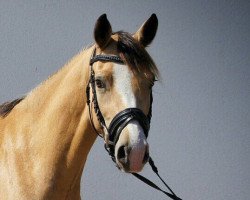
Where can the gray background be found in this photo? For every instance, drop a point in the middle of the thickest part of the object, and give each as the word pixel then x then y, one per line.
pixel 200 135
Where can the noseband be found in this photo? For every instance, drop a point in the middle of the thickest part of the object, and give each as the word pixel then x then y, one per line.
pixel 121 120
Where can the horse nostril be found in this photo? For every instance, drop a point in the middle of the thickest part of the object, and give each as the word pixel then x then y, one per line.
pixel 121 154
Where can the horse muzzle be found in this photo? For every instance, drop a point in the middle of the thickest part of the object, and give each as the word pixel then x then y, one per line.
pixel 132 150
pixel 127 135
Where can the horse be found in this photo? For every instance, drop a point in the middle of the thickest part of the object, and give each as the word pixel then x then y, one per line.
pixel 45 136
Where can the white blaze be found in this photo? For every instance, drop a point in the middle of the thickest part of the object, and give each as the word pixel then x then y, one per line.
pixel 123 84
pixel 137 140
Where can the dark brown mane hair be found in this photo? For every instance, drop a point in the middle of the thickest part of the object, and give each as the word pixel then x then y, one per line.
pixel 135 55
pixel 7 107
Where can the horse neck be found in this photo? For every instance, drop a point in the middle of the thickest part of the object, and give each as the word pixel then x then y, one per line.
pixel 54 117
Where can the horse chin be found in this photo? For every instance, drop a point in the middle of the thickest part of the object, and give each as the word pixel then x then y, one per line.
pixel 128 169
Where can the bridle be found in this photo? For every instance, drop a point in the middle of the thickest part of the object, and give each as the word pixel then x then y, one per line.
pixel 121 120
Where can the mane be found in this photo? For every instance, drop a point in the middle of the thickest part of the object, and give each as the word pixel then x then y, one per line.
pixel 135 55
pixel 7 107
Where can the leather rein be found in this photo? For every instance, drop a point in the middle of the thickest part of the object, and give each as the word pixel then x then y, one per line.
pixel 120 121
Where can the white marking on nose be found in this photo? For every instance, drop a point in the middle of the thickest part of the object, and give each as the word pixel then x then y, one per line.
pixel 138 143
pixel 137 140
pixel 123 84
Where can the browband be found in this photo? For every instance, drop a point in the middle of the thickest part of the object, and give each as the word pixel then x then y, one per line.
pixel 109 58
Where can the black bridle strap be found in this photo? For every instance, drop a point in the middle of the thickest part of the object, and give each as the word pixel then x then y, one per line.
pixel 106 58
pixel 123 118
pixel 90 113
pixel 171 195
pixel 94 58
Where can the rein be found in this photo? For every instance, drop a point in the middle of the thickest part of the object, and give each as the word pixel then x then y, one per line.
pixel 120 121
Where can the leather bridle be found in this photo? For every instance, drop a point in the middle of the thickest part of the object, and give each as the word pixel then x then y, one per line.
pixel 121 120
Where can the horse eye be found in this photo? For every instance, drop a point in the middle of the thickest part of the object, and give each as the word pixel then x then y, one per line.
pixel 99 83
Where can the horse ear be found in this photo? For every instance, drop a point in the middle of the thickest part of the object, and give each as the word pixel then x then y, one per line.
pixel 147 32
pixel 102 31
